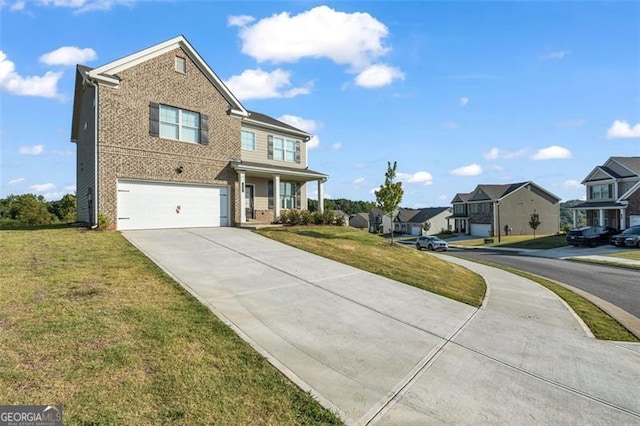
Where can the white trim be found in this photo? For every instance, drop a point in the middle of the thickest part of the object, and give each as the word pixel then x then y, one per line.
pixel 301 173
pixel 105 72
pixel 533 184
pixel 255 140
pixel 612 159
pixel 305 136
pixel 597 168
pixel 630 191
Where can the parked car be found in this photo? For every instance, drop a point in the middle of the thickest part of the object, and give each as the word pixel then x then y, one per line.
pixel 588 236
pixel 431 243
pixel 630 237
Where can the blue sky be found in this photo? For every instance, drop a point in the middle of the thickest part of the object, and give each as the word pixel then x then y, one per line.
pixel 458 93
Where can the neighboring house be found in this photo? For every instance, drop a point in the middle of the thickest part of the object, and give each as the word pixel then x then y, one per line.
pixel 162 143
pixel 379 223
pixel 340 215
pixel 359 220
pixel 494 208
pixel 613 194
pixel 412 221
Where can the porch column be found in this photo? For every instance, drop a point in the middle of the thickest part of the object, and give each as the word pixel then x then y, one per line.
pixel 601 217
pixel 575 218
pixel 320 196
pixel 623 218
pixel 243 200
pixel 276 197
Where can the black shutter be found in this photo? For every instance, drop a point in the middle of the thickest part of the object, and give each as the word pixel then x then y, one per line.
pixel 270 149
pixel 270 194
pixel 298 197
pixel 204 129
pixel 154 119
pixel 298 152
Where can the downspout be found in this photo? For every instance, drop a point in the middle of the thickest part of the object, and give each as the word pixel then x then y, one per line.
pixel 95 162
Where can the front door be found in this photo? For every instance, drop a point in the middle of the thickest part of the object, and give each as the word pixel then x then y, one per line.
pixel 248 201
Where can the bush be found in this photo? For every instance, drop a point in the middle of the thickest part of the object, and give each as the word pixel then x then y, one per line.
pixel 104 224
pixel 341 220
pixel 306 217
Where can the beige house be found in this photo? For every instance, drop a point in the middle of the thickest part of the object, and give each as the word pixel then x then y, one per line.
pixel 162 143
pixel 505 209
pixel 412 221
pixel 613 194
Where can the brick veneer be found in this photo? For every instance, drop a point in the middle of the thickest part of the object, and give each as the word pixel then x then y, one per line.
pixel 126 150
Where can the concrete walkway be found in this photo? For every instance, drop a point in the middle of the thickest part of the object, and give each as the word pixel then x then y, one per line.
pixel 377 351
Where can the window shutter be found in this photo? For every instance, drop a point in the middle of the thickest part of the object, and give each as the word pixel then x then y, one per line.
pixel 298 152
pixel 154 119
pixel 204 129
pixel 298 203
pixel 270 194
pixel 270 148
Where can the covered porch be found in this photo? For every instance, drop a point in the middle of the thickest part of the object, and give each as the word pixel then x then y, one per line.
pixel 610 214
pixel 460 224
pixel 266 190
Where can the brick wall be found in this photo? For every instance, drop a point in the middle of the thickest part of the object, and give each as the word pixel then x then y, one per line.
pixel 126 150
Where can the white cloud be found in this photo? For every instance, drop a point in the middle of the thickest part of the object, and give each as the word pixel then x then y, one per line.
pixel 622 129
pixel 239 20
pixel 68 55
pixel 322 32
pixel 359 165
pixel 470 170
pixel 12 82
pixel 497 168
pixel 43 187
pixel 358 183
pixel 554 152
pixel 337 146
pixel 86 5
pixel 304 124
pixel 18 5
pixel 16 181
pixel 559 54
pixel 259 84
pixel 464 101
pixel 378 75
pixel 418 177
pixel 31 150
pixel 571 184
pixel 373 190
pixel 495 153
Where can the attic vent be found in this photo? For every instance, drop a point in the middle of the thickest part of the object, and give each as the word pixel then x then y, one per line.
pixel 181 65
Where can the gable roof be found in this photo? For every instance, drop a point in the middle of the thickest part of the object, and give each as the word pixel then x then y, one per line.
pixel 107 73
pixel 419 215
pixel 484 192
pixel 632 164
pixel 461 197
pixel 264 120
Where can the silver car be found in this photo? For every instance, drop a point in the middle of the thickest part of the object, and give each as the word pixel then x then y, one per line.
pixel 431 243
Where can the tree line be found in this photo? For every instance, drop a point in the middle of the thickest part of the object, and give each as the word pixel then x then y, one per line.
pixel 31 209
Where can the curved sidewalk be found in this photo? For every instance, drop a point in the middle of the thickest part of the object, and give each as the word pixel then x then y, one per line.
pixel 377 351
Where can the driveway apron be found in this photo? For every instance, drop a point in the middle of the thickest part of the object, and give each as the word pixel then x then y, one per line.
pixel 377 351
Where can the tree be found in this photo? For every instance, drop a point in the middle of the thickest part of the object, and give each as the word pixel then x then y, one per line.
pixel 426 226
pixel 534 222
pixel 389 196
pixel 25 209
pixel 64 209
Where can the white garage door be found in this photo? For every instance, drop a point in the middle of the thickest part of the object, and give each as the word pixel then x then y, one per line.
pixel 480 229
pixel 416 230
pixel 634 220
pixel 151 205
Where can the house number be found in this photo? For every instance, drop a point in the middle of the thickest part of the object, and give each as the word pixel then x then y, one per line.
pixel 177 209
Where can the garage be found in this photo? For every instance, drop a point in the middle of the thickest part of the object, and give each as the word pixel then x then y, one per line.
pixel 155 205
pixel 480 229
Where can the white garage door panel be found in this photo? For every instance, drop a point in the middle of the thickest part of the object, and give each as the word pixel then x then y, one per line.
pixel 634 220
pixel 146 205
pixel 480 229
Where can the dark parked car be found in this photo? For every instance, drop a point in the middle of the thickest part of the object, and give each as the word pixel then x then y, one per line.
pixel 431 243
pixel 588 236
pixel 629 238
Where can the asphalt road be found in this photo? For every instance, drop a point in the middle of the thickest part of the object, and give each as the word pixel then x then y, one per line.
pixel 616 285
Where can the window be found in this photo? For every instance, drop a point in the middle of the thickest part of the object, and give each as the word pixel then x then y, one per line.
pixel 287 195
pixel 179 124
pixel 181 65
pixel 284 149
pixel 600 192
pixel 458 208
pixel 248 140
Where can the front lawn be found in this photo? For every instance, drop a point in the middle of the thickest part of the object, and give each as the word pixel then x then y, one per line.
pixel 541 242
pixel 90 323
pixel 633 254
pixel 372 253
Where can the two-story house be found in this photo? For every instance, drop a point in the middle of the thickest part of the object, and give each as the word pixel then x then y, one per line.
pixel 612 194
pixel 505 209
pixel 163 143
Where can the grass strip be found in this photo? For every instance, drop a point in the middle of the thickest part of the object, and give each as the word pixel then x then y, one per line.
pixel 601 324
pixel 374 254
pixel 88 322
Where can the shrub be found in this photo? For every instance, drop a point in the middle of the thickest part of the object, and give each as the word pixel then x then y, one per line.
pixel 294 217
pixel 306 217
pixel 317 218
pixel 104 223
pixel 341 220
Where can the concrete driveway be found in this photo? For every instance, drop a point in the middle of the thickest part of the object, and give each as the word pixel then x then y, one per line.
pixel 377 351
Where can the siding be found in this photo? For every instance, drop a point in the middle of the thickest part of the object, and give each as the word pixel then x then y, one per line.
pixel 516 210
pixel 128 151
pixel 260 154
pixel 85 157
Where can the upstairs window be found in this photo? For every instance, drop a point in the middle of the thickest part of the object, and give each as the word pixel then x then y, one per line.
pixel 283 149
pixel 181 65
pixel 248 140
pixel 601 192
pixel 179 124
pixel 458 208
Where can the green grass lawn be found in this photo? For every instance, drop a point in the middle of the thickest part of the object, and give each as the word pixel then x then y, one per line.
pixel 633 254
pixel 372 253
pixel 90 323
pixel 541 242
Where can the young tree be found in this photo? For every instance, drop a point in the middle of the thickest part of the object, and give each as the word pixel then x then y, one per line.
pixel 534 222
pixel 389 196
